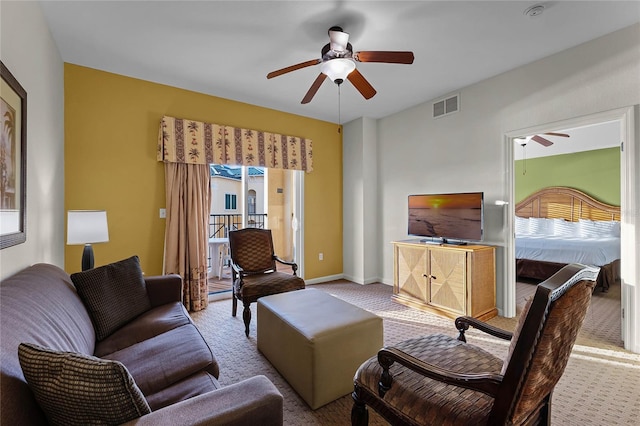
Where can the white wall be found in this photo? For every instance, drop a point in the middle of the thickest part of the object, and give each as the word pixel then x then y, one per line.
pixel 465 151
pixel 353 247
pixel 29 52
pixel 360 202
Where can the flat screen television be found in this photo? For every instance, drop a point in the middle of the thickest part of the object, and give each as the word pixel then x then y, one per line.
pixel 450 218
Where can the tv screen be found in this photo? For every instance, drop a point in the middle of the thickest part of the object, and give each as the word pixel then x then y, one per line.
pixel 447 216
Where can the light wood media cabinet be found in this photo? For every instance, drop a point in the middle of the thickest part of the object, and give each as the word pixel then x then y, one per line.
pixel 447 280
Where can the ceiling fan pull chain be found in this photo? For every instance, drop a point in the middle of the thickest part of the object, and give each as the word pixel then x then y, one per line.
pixel 339 108
pixel 524 162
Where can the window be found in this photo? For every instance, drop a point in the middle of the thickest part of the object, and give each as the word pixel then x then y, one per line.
pixel 229 201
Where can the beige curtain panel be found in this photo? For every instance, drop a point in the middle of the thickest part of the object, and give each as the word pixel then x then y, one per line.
pixel 188 191
pixel 196 142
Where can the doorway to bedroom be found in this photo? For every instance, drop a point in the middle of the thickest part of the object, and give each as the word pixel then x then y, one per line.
pixel 587 159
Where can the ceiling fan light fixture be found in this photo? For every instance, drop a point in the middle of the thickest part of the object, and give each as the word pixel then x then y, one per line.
pixel 338 69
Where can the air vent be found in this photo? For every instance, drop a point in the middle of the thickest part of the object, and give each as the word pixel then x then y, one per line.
pixel 446 106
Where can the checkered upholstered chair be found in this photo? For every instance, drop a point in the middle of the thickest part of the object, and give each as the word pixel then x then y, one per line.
pixel 441 380
pixel 253 269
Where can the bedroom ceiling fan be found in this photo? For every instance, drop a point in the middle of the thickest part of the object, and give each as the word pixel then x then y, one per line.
pixel 338 62
pixel 541 140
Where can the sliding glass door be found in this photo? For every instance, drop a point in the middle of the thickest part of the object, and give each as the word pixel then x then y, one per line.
pixel 247 196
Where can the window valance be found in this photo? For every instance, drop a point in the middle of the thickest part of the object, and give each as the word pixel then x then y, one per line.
pixel 196 142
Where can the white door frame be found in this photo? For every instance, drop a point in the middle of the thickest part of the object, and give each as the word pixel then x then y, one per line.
pixel 298 212
pixel 629 207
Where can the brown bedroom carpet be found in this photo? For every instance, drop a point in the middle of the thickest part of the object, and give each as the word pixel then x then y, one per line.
pixel 600 385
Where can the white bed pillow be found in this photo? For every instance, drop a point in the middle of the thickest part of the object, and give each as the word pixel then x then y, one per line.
pixel 522 225
pixel 565 228
pixel 599 228
pixel 540 226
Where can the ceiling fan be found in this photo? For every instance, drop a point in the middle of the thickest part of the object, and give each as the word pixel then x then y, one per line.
pixel 338 62
pixel 542 141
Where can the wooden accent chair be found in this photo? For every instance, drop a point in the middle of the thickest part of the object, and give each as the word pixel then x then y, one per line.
pixel 440 380
pixel 253 269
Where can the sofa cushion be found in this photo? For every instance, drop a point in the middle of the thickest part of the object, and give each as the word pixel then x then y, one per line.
pixel 76 389
pixel 194 385
pixel 176 354
pixel 150 324
pixel 114 294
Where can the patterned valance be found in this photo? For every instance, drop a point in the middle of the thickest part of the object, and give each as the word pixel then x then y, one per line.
pixel 196 142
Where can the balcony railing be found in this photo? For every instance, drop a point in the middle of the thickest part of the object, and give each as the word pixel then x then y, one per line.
pixel 221 224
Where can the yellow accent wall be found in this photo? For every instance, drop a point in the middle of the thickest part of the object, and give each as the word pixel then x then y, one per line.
pixel 111 127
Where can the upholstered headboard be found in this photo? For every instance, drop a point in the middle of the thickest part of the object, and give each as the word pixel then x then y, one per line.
pixel 566 203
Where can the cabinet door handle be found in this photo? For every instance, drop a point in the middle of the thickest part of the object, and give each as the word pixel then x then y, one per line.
pixel 429 276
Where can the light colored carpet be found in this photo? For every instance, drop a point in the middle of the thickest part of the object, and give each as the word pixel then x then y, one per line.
pixel 600 385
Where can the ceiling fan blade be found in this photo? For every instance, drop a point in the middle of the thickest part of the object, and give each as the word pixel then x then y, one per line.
pixel 541 140
pixel 361 84
pixel 294 67
pixel 564 135
pixel 388 57
pixel 313 89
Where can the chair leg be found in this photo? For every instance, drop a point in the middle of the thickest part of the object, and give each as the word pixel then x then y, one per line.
pixel 359 411
pixel 545 412
pixel 220 261
pixel 234 303
pixel 246 316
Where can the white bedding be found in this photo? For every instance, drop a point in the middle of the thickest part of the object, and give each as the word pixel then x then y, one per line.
pixel 596 251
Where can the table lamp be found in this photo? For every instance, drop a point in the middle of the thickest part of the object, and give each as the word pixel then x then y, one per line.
pixel 87 227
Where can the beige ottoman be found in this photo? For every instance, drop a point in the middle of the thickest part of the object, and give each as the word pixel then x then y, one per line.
pixel 316 341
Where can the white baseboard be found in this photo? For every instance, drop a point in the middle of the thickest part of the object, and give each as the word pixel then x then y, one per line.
pixel 359 280
pixel 325 279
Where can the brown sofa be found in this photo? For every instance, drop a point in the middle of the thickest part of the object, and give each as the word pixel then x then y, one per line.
pixel 162 349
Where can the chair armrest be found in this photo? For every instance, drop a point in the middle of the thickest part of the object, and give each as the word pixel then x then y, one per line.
pixel 255 401
pixel 463 323
pixel 163 289
pixel 293 265
pixel 236 270
pixel 236 267
pixel 487 383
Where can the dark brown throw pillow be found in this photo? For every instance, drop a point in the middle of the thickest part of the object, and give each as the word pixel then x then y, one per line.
pixel 113 294
pixel 76 389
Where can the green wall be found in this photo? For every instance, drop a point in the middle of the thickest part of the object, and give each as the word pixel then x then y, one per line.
pixel 596 173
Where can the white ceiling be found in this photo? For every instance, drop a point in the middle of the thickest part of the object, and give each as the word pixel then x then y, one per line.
pixel 586 138
pixel 226 48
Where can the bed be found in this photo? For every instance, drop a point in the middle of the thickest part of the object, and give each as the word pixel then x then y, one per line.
pixel 560 225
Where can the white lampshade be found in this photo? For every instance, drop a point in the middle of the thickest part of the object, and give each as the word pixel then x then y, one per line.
pixel 338 68
pixel 9 221
pixel 87 227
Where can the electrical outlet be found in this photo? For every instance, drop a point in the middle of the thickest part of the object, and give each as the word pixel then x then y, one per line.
pixel 163 213
pixel 320 256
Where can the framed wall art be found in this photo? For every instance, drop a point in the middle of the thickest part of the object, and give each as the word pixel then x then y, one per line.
pixel 13 160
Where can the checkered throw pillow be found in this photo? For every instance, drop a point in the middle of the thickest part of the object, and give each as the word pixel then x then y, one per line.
pixel 113 294
pixel 75 389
